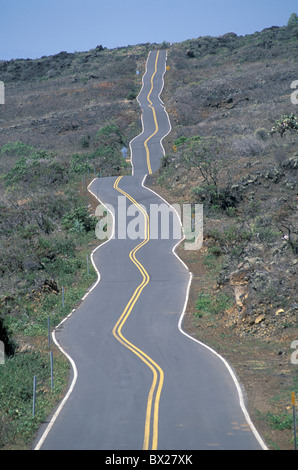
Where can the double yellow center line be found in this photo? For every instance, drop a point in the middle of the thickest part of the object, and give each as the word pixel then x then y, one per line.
pixel 152 410
pixel 154 117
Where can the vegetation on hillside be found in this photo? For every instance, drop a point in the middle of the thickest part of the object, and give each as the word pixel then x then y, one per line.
pixel 233 147
pixel 63 125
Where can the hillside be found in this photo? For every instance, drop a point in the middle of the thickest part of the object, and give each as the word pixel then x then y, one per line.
pixel 230 91
pixel 224 96
pixel 66 119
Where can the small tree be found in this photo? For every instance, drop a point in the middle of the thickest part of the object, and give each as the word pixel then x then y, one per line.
pixel 204 154
pixel 286 123
pixel 293 21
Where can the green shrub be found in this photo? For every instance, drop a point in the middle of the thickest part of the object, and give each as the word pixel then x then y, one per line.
pixel 286 123
pixel 261 133
pixel 80 164
pixel 108 159
pixel 293 21
pixel 215 250
pixel 263 231
pixel 132 95
pixel 38 167
pixel 85 141
pixel 16 149
pixel 16 393
pixel 110 132
pixel 203 304
pixel 208 304
pixel 281 421
pixel 29 231
pixel 79 220
pixel 45 249
pixel 216 198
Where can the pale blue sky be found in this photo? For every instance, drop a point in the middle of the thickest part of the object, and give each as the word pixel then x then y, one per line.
pixel 33 28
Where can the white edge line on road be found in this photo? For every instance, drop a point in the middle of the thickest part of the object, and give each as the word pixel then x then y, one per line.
pixel 72 362
pixel 238 387
pixel 143 128
pixel 75 372
pixel 142 114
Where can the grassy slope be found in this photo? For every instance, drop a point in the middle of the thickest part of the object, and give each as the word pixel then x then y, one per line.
pixel 65 119
pixel 233 89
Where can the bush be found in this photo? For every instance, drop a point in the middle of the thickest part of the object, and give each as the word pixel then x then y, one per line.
pixel 217 198
pixel 51 247
pixel 16 149
pixel 132 95
pixel 79 220
pixel 264 231
pixel 261 133
pixel 282 421
pixel 293 21
pixel 249 146
pixel 39 167
pixel 108 159
pixel 16 392
pixel 213 305
pixel 80 164
pixel 286 123
pixel 110 134
pixel 203 304
pixel 85 141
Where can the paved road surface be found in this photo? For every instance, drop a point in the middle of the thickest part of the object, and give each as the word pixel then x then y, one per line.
pixel 138 382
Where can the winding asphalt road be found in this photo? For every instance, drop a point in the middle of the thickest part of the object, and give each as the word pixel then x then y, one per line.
pixel 139 382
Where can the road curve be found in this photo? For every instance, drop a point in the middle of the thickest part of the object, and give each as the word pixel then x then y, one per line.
pixel 139 381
